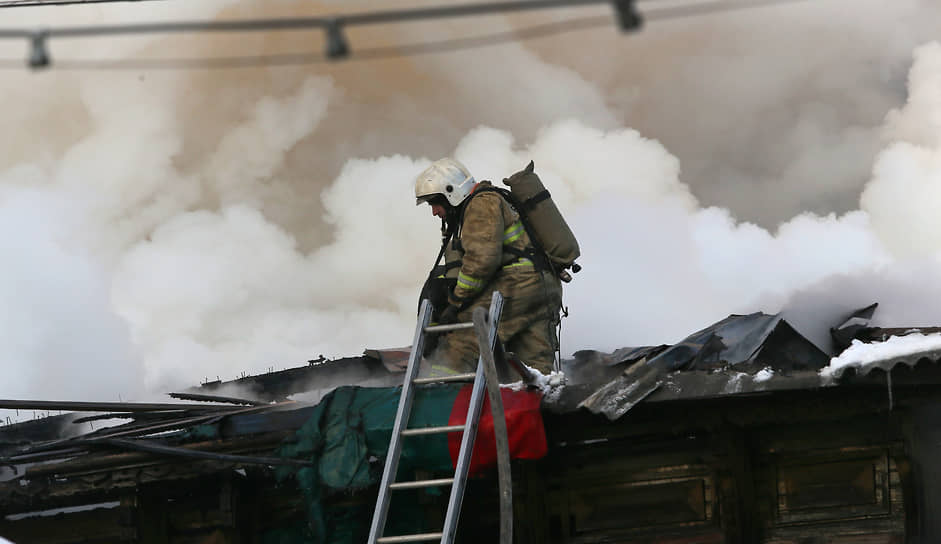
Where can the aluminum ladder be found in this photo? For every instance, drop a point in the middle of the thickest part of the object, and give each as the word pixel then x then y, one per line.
pixel 484 378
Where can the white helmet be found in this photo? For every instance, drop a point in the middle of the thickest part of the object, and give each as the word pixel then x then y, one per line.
pixel 445 177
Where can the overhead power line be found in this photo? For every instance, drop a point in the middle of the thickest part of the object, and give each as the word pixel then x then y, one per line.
pixel 337 45
pixel 307 58
pixel 303 23
pixel 405 50
pixel 36 3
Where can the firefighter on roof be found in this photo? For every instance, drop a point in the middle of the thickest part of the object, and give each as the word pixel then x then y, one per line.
pixel 486 248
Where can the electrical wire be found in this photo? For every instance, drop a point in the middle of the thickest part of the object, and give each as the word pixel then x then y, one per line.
pixel 296 23
pixel 307 58
pixel 448 11
pixel 37 3
pixel 400 51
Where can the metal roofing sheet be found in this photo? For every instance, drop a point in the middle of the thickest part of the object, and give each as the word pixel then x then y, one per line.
pixel 912 359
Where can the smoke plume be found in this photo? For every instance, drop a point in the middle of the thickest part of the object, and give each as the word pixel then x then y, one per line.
pixel 168 226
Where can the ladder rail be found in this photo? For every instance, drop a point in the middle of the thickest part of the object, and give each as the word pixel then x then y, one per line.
pixel 401 421
pixel 470 432
pixel 501 439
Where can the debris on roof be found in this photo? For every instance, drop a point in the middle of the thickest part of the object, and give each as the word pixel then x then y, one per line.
pixel 725 358
pixel 739 355
pixel 322 375
pixel 754 341
pixel 857 328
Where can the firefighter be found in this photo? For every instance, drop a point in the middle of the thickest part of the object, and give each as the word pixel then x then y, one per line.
pixel 487 249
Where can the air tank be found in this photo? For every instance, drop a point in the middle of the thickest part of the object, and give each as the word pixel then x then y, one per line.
pixel 546 224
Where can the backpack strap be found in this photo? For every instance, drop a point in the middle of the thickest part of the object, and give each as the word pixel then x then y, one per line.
pixel 533 252
pixel 536 252
pixel 532 201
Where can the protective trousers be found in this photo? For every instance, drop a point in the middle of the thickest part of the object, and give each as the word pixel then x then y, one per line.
pixel 528 322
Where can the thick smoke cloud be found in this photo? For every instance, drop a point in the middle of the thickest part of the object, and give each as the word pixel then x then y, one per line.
pixel 164 227
pixel 906 187
pixel 57 322
pixel 786 101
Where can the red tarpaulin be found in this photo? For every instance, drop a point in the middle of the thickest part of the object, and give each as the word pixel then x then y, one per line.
pixel 523 424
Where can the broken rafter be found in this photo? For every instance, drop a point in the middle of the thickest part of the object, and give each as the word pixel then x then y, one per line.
pixel 95 459
pixel 136 416
pixel 110 415
pixel 81 406
pixel 42 456
pixel 130 429
pixel 215 398
pixel 160 449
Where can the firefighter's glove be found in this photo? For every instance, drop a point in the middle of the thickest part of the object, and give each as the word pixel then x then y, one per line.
pixel 449 315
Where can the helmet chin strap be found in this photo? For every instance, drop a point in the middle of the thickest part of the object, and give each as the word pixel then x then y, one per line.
pixel 452 217
pixel 449 221
pixel 448 229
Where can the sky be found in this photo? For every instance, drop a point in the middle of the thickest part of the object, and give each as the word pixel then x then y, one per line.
pixel 164 227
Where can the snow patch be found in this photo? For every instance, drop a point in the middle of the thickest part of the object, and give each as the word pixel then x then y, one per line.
pixel 861 354
pixel 551 385
pixel 56 511
pixel 764 374
pixel 734 385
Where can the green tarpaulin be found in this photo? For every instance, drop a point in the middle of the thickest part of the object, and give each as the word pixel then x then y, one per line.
pixel 347 437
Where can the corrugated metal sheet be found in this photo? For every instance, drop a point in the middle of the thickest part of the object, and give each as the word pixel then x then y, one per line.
pixel 722 359
pixel 887 364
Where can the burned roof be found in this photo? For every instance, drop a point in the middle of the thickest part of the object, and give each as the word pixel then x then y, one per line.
pixel 740 355
pixel 754 340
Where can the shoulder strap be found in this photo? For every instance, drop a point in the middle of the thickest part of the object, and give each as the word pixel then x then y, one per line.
pixel 523 209
pixel 537 252
pixel 445 239
pixel 481 190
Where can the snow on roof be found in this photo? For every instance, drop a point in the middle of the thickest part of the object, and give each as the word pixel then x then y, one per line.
pixel 863 357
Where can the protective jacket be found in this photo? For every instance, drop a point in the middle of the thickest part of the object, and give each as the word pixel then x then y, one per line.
pixel 489 238
pixel 488 253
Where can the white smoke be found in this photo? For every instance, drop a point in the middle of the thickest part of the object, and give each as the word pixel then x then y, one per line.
pixel 785 100
pixel 903 195
pixel 57 328
pixel 167 227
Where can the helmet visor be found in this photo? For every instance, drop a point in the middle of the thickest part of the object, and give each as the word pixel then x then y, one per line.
pixel 434 199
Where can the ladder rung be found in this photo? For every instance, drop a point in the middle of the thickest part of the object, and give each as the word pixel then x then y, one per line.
pixel 409 538
pixel 432 430
pixel 421 483
pixel 450 327
pixel 455 378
